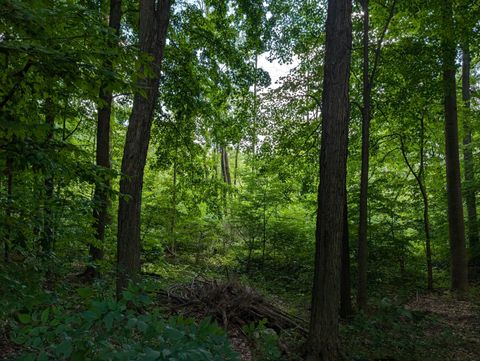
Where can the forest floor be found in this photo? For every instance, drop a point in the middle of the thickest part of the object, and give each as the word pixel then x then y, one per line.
pixel 433 327
pixel 461 318
pixel 429 327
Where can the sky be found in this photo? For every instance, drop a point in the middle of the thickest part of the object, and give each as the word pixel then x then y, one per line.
pixel 275 69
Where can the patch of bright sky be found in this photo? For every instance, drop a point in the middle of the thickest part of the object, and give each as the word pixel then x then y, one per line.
pixel 276 70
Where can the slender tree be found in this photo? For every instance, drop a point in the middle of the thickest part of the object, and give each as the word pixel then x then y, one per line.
pixel 322 341
pixel 154 19
pixel 459 264
pixel 368 79
pixel 104 110
pixel 420 178
pixel 46 240
pixel 470 195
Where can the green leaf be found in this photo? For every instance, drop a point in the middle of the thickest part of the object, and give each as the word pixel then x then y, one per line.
pixel 24 318
pixel 44 315
pixel 108 320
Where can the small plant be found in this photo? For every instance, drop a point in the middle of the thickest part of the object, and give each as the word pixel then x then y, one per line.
pixel 265 341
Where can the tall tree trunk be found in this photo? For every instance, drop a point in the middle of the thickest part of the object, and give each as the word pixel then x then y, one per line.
pixel 322 341
pixel 154 18
pixel 237 150
pixel 363 209
pixel 470 195
pixel 345 287
pixel 225 166
pixel 226 163
pixel 47 238
pixel 101 199
pixel 454 194
pixel 368 79
pixel 426 220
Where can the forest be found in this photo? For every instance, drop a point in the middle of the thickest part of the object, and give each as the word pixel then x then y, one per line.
pixel 239 180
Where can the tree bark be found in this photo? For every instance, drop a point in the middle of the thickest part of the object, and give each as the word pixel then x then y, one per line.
pixel 322 341
pixel 459 265
pixel 154 19
pixel 101 199
pixel 470 195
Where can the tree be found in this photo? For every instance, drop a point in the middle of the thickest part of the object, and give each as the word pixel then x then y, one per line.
pixel 420 178
pixel 322 341
pixel 459 263
pixel 469 171
pixel 154 19
pixel 104 111
pixel 368 79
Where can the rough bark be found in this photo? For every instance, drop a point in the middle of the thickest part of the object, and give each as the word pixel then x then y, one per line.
pixel 101 198
pixel 225 166
pixel 470 196
pixel 154 19
pixel 322 341
pixel 459 273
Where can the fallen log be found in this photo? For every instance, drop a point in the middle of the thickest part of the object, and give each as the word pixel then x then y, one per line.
pixel 230 303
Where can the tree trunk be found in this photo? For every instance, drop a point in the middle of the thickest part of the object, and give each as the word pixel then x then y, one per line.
pixel 154 18
pixel 174 206
pixel 322 341
pixel 47 238
pixel 363 209
pixel 237 150
pixel 226 164
pixel 345 287
pixel 426 221
pixel 454 194
pixel 101 198
pixel 470 195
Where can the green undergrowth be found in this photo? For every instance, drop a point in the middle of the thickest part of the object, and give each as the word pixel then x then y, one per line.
pixel 77 322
